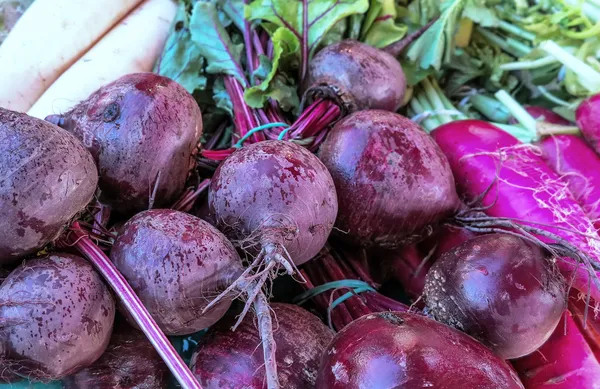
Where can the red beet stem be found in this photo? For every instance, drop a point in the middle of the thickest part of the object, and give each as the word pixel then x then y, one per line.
pixel 134 306
pixel 331 266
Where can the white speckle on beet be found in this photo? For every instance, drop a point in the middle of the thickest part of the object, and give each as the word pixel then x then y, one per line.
pixel 340 373
pixel 519 286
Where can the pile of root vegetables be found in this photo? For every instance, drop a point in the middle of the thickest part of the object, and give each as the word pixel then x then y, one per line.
pixel 309 194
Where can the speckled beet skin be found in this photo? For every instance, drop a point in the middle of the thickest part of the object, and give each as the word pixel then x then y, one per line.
pixel 46 178
pixel 275 192
pixel 176 263
pixel 56 316
pixel 499 289
pixel 129 362
pixel 588 120
pixel 359 75
pixel 136 127
pixel 391 179
pixel 402 350
pixel 232 360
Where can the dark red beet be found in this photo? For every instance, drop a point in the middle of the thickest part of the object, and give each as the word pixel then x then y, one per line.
pixel 56 317
pixel 392 180
pixel 500 289
pixel 358 75
pixel 409 351
pixel 46 178
pixel 129 362
pixel 143 130
pixel 176 263
pixel 277 196
pixel 588 121
pixel 229 360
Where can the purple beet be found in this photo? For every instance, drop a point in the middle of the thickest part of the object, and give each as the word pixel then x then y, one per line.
pixel 409 351
pixel 229 360
pixel 143 131
pixel 500 289
pixel 275 198
pixel 392 180
pixel 129 362
pixel 357 75
pixel 176 263
pixel 56 317
pixel 46 178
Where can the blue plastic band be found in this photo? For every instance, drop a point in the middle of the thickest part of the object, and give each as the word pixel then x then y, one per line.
pixel 346 296
pixel 280 137
pixel 357 286
pixel 257 129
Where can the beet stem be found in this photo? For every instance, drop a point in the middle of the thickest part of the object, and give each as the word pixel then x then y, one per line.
pixel 134 307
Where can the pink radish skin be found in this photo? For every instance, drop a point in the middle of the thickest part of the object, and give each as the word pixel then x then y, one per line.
pixel 587 320
pixel 393 183
pixel 56 317
pixel 565 361
pixel 405 350
pixel 573 159
pixel 588 121
pixel 521 186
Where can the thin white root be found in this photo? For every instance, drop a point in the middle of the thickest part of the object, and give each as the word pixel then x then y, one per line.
pixel 265 328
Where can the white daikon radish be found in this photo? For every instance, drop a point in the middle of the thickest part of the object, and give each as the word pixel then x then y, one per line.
pixel 49 37
pixel 131 46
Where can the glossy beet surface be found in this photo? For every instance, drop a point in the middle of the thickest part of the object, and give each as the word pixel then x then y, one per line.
pixel 143 130
pixel 407 351
pixel 392 180
pixel 46 178
pixel 516 183
pixel 176 263
pixel 129 362
pixel 273 194
pixel 500 289
pixel 232 360
pixel 359 75
pixel 57 317
pixel 588 121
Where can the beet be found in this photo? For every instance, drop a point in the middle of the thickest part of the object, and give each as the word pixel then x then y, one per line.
pixel 46 178
pixel 176 263
pixel 228 360
pixel 409 351
pixel 588 121
pixel 143 131
pixel 277 196
pixel 393 182
pixel 357 75
pixel 56 317
pixel 129 362
pixel 500 289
